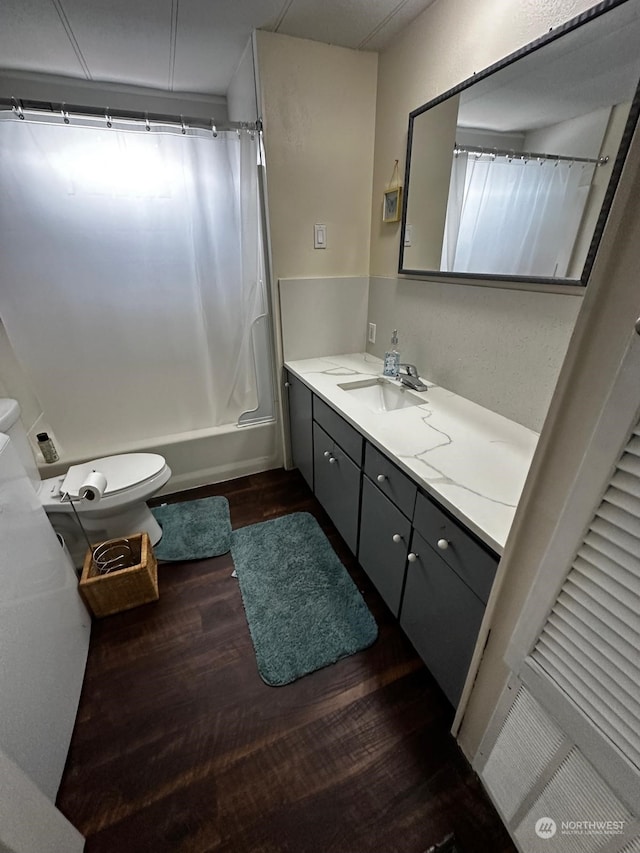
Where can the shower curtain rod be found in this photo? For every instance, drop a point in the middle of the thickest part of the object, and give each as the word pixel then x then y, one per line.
pixel 525 155
pixel 21 107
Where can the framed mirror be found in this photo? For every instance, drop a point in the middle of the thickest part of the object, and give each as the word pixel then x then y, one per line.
pixel 511 174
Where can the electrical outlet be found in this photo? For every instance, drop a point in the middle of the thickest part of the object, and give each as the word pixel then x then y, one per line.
pixel 372 333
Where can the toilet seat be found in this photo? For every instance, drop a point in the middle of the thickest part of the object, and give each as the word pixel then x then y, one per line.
pixel 122 472
pixel 131 477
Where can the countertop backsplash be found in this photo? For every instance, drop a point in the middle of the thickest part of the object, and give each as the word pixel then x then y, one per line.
pixel 501 348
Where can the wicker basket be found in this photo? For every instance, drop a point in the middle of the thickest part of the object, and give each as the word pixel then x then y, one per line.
pixel 124 588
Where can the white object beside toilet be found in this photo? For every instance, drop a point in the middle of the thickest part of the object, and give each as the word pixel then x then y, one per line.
pixel 118 509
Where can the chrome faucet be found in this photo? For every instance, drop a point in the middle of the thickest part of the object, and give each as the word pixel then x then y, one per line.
pixel 410 377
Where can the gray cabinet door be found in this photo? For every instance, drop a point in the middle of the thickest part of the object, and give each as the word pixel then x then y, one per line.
pixel 337 485
pixel 300 430
pixel 383 558
pixel 441 616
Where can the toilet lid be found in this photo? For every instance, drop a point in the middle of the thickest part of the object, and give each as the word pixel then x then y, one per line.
pixel 122 471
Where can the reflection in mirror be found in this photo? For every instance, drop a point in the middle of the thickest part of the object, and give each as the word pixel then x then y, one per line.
pixel 510 174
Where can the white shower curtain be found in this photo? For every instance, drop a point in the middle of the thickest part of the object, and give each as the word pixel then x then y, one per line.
pixel 131 274
pixel 512 216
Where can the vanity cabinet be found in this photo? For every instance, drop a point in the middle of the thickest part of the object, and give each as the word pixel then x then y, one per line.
pixel 300 420
pixel 433 574
pixel 337 485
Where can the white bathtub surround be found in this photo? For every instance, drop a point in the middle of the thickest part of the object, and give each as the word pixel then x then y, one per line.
pixel 500 348
pixel 471 459
pixel 323 316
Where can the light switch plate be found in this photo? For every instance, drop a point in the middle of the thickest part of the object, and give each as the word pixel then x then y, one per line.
pixel 372 333
pixel 408 235
pixel 319 236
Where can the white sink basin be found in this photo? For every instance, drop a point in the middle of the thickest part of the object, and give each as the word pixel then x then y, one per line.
pixel 381 395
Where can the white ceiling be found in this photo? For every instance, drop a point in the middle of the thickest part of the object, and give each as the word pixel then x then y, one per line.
pixel 178 45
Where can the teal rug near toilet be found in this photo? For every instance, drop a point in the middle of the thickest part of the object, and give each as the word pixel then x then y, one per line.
pixel 193 530
pixel 303 609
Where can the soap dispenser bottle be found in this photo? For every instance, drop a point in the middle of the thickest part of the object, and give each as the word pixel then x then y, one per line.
pixel 392 358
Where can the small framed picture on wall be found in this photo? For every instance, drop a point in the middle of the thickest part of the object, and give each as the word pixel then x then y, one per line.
pixel 392 205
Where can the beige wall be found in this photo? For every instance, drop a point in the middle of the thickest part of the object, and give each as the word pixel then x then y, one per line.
pixel 434 136
pixel 610 145
pixel 319 107
pixel 501 348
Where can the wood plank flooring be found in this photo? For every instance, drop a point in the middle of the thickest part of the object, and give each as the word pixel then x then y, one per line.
pixel 179 745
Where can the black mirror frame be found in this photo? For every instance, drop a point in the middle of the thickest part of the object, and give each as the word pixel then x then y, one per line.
pixel 632 120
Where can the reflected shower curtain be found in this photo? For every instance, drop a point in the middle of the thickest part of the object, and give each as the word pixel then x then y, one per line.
pixel 131 274
pixel 513 217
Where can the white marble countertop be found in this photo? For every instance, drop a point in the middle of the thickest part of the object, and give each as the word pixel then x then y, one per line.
pixel 472 460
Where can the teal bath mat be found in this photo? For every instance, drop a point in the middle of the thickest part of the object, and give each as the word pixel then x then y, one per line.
pixel 303 609
pixel 193 530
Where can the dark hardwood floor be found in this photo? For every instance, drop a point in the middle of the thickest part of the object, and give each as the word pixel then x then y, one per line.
pixel 179 745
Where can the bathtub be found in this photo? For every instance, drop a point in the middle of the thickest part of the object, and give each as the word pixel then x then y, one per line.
pixel 203 456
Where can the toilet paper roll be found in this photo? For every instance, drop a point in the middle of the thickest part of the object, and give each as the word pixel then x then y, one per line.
pixel 93 487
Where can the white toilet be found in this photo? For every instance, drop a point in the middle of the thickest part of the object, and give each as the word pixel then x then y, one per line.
pixel 132 478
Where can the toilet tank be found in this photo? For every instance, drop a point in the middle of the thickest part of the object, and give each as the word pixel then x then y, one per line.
pixel 11 425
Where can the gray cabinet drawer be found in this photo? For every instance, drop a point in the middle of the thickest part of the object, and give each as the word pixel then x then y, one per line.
pixel 390 480
pixel 441 616
pixel 337 485
pixel 382 558
pixel 475 566
pixel 343 433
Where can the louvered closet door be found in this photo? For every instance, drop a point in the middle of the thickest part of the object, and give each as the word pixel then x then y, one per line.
pixel 590 643
pixel 576 647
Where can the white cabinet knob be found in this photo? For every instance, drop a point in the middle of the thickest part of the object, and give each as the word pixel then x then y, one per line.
pixel 443 544
pixel 332 460
pixel 396 537
pixel 381 478
pixel 412 557
pixel 287 385
pixel 327 454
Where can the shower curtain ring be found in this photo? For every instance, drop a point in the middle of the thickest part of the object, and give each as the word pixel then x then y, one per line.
pixel 184 127
pixel 65 115
pixel 17 108
pixel 214 130
pixel 146 123
pixel 107 118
